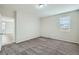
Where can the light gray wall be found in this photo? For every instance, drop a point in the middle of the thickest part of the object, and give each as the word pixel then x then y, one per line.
pixel 0 34
pixel 7 12
pixel 78 25
pixel 50 27
pixel 27 26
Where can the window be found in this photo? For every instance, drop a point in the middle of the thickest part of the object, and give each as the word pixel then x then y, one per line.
pixel 64 23
pixel 3 27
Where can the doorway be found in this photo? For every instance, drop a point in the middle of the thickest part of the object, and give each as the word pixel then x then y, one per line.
pixel 8 30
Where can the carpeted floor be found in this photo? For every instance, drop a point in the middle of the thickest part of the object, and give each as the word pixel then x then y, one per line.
pixel 41 46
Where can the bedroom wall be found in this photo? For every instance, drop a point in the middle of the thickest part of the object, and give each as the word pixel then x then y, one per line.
pixel 50 27
pixel 27 26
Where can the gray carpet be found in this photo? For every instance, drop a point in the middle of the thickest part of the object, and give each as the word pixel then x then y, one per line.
pixel 41 46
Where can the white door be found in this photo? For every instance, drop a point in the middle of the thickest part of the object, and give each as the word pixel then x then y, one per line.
pixel 0 32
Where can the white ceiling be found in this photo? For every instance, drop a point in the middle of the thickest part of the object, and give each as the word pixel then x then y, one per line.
pixel 50 9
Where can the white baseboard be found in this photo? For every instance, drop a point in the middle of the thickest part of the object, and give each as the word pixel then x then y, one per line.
pixel 26 40
pixel 60 39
